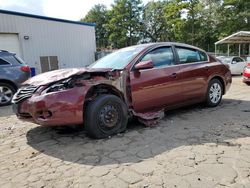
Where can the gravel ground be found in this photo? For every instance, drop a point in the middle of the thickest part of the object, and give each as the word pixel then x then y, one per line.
pixel 192 147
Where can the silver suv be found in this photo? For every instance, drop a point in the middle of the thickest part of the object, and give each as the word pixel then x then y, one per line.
pixel 13 71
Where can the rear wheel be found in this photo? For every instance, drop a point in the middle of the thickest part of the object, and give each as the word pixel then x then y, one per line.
pixel 214 93
pixel 105 116
pixel 6 93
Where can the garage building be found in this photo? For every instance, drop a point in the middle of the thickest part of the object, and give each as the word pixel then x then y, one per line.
pixel 47 43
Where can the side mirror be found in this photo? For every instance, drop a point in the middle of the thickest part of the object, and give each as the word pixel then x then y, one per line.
pixel 144 65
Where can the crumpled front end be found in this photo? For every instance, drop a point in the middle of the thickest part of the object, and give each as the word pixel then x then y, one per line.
pixel 62 101
pixel 52 109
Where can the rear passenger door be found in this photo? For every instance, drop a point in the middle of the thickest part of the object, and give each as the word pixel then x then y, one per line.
pixel 194 72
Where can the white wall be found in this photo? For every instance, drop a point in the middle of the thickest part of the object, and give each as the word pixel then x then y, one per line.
pixel 73 44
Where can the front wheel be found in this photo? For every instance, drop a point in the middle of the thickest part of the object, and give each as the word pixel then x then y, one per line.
pixel 105 116
pixel 6 94
pixel 214 93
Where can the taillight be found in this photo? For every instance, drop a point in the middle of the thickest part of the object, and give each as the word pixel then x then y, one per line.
pixel 25 68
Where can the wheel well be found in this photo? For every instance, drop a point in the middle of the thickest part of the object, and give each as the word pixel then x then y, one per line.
pixel 10 83
pixel 104 89
pixel 94 91
pixel 221 81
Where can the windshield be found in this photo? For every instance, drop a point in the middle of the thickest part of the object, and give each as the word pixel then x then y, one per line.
pixel 225 59
pixel 119 59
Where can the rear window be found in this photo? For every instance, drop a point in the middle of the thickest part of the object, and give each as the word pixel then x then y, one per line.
pixel 13 59
pixel 3 62
pixel 188 55
pixel 19 60
pixel 203 56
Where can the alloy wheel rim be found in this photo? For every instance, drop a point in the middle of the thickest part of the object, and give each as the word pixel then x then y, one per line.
pixel 215 93
pixel 6 95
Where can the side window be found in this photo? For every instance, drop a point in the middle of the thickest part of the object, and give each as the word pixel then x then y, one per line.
pixel 160 57
pixel 203 56
pixel 238 59
pixel 11 59
pixel 3 62
pixel 187 55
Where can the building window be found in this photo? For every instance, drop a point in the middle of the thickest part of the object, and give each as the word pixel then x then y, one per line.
pixel 49 63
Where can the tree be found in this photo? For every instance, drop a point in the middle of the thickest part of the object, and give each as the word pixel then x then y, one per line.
pixel 124 24
pixel 193 16
pixel 197 22
pixel 235 16
pixel 174 19
pixel 99 15
pixel 193 21
pixel 209 23
pixel 154 24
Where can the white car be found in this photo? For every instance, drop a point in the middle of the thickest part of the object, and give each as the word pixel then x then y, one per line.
pixel 236 64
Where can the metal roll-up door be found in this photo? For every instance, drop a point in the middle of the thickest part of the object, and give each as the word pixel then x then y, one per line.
pixel 10 42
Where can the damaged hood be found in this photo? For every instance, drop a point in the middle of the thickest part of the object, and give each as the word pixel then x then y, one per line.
pixel 57 75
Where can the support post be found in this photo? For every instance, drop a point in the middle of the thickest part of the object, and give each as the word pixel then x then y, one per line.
pixel 239 50
pixel 215 50
pixel 249 49
pixel 228 52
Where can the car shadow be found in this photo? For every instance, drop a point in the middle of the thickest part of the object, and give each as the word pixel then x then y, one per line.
pixel 193 125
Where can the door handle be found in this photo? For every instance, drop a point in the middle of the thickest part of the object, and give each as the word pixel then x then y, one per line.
pixel 174 75
pixel 206 68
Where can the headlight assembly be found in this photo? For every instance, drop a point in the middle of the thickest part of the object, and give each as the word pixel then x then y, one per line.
pixel 61 85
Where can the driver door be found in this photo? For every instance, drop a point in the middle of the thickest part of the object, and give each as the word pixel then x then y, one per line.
pixel 158 87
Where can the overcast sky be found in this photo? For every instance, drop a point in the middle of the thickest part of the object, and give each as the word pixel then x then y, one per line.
pixel 65 9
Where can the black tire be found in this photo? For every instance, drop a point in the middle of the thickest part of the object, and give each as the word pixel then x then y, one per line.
pixel 105 116
pixel 6 91
pixel 214 99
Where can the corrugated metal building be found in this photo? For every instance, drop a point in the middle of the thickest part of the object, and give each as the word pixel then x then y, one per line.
pixel 47 43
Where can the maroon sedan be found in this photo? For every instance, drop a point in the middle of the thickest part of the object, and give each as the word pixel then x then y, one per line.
pixel 140 81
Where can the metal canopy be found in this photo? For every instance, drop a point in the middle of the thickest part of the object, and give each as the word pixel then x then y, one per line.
pixel 241 37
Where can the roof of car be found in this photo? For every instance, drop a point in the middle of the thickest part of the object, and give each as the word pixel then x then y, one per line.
pixel 169 44
pixel 5 52
pixel 224 57
pixel 228 57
